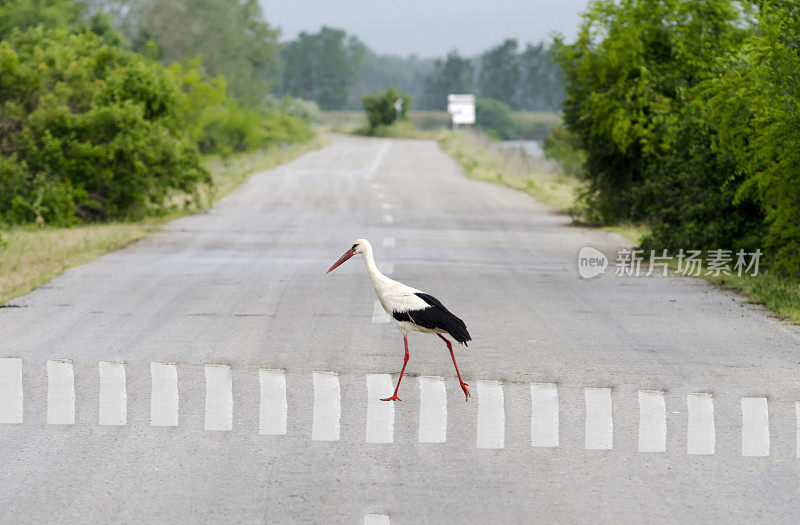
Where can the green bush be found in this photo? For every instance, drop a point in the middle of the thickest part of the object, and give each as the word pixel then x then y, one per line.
pixel 380 107
pixel 91 131
pixel 220 124
pixel 641 81
pixel 494 117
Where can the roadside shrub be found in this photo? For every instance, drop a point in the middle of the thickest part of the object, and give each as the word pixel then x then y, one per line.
pixel 495 118
pixel 638 103
pixel 90 131
pixel 380 107
pixel 220 124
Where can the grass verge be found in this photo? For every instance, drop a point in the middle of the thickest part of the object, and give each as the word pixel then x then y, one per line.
pixel 485 159
pixel 777 294
pixel 33 255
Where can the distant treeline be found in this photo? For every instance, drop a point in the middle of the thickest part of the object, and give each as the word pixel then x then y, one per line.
pixel 336 70
pixel 689 116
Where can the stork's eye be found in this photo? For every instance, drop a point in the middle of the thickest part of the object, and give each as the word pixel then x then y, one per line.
pixel 353 249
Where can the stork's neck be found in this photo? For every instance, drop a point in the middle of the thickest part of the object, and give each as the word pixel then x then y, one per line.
pixel 379 281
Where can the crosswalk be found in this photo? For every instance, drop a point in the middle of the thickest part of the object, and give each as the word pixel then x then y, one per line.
pixel 274 410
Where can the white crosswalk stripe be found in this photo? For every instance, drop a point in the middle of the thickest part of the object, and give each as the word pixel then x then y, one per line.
pixel 491 415
pixel 11 402
pixel 113 404
pixel 272 411
pixel 219 397
pixel 376 519
pixel 327 407
pixel 379 416
pixel 544 415
pixel 163 394
pixel 432 410
pixel 755 426
pixel 797 422
pixel 60 392
pixel 700 434
pixel 652 421
pixel 599 421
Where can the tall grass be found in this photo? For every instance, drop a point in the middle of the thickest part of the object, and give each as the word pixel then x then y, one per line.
pixel 486 159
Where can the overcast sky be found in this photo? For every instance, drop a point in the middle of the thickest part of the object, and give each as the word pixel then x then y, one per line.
pixel 429 27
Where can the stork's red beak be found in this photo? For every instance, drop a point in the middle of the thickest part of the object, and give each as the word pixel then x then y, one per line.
pixel 342 259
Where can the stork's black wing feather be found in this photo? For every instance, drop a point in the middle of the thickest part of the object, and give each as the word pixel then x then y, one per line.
pixel 436 316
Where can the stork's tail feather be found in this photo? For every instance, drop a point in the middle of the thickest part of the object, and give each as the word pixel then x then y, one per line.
pixel 459 333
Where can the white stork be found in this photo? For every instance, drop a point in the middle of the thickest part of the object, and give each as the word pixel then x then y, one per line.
pixel 411 309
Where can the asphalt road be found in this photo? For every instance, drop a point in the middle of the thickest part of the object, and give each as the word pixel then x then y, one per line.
pixel 243 286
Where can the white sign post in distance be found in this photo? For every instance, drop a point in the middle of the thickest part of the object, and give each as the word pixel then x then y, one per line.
pixel 461 109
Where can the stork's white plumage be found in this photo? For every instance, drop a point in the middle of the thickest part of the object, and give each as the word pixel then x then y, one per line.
pixel 412 310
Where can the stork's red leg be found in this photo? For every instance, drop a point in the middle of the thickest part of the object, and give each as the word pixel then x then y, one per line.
pixel 452 355
pixel 405 362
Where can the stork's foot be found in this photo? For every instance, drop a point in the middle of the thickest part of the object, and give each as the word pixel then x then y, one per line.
pixel 393 398
pixel 466 391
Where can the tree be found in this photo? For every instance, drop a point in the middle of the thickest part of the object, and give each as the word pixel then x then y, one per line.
pixel 407 74
pixel 232 37
pixel 22 14
pixel 756 101
pixel 90 131
pixel 321 66
pixel 540 79
pixel 452 75
pixel 494 117
pixel 499 75
pixel 630 78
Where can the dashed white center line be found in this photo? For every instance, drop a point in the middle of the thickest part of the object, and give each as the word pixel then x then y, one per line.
pixel 380 195
pixel 491 415
pixel 379 315
pixel 700 434
pixel 376 519
pixel 544 415
pixel 386 268
pixel 11 390
pixel 272 410
pixel 113 405
pixel 60 392
pixel 652 421
pixel 432 410
pixel 387 206
pixel 381 152
pixel 388 242
pixel 380 414
pixel 388 219
pixel 797 422
pixel 327 407
pixel 219 397
pixel 755 426
pixel 599 422
pixel 163 394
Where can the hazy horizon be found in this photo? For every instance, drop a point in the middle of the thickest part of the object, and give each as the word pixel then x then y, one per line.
pixel 470 26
